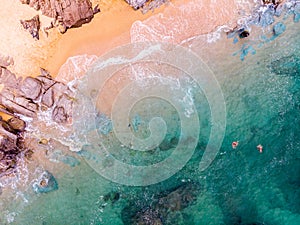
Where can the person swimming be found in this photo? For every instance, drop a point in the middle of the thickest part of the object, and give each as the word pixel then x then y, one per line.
pixel 259 148
pixel 234 144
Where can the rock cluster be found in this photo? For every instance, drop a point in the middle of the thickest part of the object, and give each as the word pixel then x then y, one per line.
pixel 26 97
pixel 11 144
pixel 66 13
pixel 163 206
pixel 30 95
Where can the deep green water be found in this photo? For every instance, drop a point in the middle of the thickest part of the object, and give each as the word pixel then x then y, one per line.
pixel 241 186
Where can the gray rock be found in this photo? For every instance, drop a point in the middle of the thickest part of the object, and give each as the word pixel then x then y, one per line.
pixel 59 115
pixel 46 82
pixel 27 104
pixel 31 88
pixel 47 98
pixel 32 25
pixel 60 89
pixel 9 79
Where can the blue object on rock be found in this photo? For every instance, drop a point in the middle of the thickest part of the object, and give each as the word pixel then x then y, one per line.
pixel 45 183
pixel 278 28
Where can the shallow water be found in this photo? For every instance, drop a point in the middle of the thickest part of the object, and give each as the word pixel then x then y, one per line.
pixel 241 186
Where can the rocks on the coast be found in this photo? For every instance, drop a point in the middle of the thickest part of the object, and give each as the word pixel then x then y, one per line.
pixel 66 13
pixel 136 4
pixel 33 26
pixel 31 94
pixel 45 183
pixel 47 98
pixel 11 144
pixel 27 97
pixel 145 5
pixel 163 206
pixel 274 2
pixel 31 88
pixel 16 124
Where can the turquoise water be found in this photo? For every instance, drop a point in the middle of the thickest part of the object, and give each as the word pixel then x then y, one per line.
pixel 261 91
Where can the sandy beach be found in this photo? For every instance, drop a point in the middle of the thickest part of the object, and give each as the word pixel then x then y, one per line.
pixel 109 28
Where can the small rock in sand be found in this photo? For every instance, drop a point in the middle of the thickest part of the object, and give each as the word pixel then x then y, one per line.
pixel 33 26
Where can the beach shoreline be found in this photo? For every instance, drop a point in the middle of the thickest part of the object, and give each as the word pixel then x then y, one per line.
pixel 108 29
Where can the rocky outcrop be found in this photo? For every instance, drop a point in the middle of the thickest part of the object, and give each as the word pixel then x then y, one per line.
pixel 33 26
pixel 27 97
pixel 66 13
pixel 11 144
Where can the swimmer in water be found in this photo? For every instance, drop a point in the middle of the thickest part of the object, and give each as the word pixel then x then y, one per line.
pixel 259 148
pixel 234 144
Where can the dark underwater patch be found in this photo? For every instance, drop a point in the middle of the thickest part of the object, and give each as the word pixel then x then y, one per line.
pixel 286 66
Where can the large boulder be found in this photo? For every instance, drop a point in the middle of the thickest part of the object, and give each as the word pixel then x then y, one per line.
pixel 66 12
pixel 31 88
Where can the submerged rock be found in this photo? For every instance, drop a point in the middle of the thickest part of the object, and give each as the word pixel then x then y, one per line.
pixel 33 26
pixel 286 66
pixel 163 206
pixel 278 28
pixel 45 183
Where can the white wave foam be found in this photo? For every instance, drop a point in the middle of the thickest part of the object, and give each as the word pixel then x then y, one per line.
pixel 179 23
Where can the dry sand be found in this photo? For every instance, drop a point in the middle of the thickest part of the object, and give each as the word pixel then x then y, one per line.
pixel 108 29
pixel 112 27
pixel 28 54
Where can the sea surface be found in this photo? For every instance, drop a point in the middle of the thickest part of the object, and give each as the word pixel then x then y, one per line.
pixel 153 117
